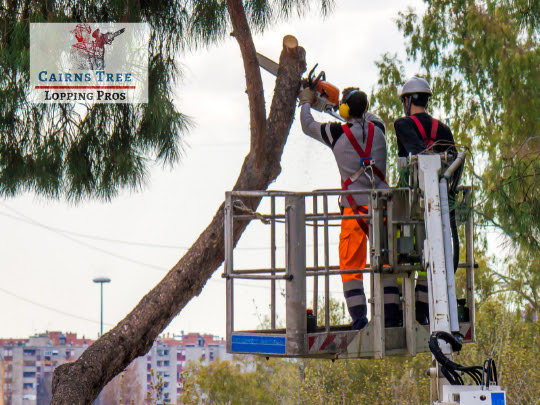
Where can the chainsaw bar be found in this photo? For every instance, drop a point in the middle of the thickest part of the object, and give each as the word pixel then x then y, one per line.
pixel 272 67
pixel 268 64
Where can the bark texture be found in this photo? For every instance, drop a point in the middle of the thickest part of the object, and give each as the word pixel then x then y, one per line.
pixel 80 382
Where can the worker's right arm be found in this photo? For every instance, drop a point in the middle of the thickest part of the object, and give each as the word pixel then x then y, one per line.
pixel 327 133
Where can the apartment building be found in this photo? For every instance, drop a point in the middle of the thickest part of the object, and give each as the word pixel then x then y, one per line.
pixel 169 357
pixel 27 365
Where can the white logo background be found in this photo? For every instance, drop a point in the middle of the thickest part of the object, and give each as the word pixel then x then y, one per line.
pixel 89 63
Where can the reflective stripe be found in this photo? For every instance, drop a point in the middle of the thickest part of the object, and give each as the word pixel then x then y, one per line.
pixel 352 293
pixel 356 300
pixel 422 296
pixel 390 282
pixel 353 285
pixel 391 299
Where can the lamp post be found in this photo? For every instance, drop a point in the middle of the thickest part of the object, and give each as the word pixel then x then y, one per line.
pixel 102 280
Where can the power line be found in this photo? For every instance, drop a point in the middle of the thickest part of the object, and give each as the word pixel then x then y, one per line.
pixel 63 234
pixel 26 219
pixel 59 311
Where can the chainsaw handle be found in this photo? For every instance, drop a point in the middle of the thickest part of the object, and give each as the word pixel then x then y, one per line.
pixel 320 76
pixel 310 74
pixel 313 82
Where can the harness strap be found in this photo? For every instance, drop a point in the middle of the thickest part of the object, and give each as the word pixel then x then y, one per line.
pixel 357 209
pixel 365 159
pixel 365 155
pixel 433 135
pixel 434 127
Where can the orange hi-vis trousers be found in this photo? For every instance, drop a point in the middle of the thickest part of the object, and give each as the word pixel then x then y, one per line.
pixel 352 255
pixel 352 247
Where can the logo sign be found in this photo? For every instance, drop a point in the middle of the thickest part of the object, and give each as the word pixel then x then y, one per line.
pixel 89 63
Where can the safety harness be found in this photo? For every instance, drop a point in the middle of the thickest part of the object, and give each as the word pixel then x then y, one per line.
pixel 365 160
pixel 433 136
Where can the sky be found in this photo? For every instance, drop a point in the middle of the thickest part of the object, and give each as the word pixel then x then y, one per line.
pixel 51 250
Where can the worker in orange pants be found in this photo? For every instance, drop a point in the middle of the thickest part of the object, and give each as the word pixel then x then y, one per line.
pixel 352 256
pixel 359 148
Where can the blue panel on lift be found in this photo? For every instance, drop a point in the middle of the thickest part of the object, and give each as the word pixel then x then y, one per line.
pixel 497 398
pixel 258 344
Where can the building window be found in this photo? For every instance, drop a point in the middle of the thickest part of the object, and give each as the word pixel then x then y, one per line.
pixel 29 352
pixel 166 363
pixel 159 363
pixel 211 355
pixel 29 374
pixel 28 385
pixel 148 367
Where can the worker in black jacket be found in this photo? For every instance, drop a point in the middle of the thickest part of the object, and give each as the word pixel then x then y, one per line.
pixel 418 132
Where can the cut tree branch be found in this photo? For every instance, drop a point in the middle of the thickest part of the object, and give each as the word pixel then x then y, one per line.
pixel 80 382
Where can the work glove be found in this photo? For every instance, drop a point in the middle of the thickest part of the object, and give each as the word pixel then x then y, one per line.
pixel 307 96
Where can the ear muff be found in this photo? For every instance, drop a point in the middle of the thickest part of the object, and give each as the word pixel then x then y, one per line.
pixel 344 111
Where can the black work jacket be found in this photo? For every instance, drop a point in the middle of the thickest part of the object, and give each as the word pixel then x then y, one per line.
pixel 409 139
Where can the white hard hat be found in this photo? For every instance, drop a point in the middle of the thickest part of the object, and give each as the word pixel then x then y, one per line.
pixel 415 85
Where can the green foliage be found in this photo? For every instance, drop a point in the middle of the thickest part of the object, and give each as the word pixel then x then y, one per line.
pixel 513 342
pixel 80 151
pixel 157 394
pixel 482 61
pixel 77 151
pixel 242 381
pixel 337 311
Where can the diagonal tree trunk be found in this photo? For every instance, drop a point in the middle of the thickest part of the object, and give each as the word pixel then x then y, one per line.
pixel 81 382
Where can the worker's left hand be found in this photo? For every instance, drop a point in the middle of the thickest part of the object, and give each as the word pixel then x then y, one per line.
pixel 307 96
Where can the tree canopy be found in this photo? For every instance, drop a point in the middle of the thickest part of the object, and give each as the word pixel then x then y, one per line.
pixel 76 151
pixel 482 61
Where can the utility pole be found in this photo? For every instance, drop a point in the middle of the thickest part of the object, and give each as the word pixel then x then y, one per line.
pixel 101 281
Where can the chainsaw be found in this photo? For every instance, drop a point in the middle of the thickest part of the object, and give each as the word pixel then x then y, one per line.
pixel 326 93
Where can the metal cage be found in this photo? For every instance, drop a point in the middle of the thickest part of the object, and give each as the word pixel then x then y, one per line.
pixel 396 223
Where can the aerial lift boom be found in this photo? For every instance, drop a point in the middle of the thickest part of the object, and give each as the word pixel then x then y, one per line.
pixel 421 211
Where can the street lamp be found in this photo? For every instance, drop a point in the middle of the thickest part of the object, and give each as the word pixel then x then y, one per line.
pixel 102 280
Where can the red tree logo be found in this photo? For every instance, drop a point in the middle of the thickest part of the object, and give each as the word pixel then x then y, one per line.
pixel 89 51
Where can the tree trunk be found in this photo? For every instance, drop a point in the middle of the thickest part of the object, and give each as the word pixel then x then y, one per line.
pixel 80 382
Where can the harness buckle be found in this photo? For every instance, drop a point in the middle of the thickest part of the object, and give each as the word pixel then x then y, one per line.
pixel 365 161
